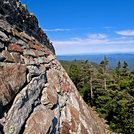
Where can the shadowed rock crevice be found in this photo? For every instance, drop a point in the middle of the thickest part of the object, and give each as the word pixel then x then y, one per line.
pixel 23 126
pixel 55 121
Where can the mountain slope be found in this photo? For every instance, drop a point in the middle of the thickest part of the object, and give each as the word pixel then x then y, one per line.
pixel 66 65
pixel 113 58
pixel 36 94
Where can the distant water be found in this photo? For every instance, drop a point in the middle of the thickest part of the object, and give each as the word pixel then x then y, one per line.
pixel 113 58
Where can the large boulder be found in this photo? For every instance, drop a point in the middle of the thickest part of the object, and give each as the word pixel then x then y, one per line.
pixel 49 96
pixel 12 79
pixel 23 105
pixel 40 121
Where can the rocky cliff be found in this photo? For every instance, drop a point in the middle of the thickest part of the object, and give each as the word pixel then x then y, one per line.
pixel 36 94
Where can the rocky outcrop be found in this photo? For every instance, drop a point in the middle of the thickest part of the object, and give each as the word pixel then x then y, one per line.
pixel 36 94
pixel 40 121
pixel 12 79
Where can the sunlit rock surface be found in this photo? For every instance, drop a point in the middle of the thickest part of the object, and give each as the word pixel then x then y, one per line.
pixel 36 94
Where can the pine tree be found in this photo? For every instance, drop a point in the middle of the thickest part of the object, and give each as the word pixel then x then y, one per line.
pixel 74 73
pixel 125 69
pixel 91 70
pixel 118 69
pixel 104 66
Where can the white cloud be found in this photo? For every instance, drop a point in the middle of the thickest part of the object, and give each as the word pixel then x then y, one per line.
pixel 126 32
pixel 97 36
pixel 94 45
pixel 107 27
pixel 121 38
pixel 79 41
pixel 93 39
pixel 57 29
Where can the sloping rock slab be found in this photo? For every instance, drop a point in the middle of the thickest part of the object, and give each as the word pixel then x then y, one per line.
pixel 83 129
pixel 12 79
pixel 49 96
pixel 65 129
pixel 22 105
pixel 53 77
pixel 40 121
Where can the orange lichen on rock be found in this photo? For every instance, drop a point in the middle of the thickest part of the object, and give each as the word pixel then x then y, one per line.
pixel 47 51
pixel 14 47
pixel 73 125
pixel 66 87
pixel 31 45
pixel 74 113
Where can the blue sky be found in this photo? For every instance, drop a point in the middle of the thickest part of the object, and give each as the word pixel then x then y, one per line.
pixel 86 26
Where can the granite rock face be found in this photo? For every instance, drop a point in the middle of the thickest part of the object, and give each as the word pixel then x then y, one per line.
pixel 12 79
pixel 36 94
pixel 40 121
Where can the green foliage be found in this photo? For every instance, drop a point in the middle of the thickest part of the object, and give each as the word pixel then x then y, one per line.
pixel 124 84
pixel 85 93
pixel 104 65
pixel 123 118
pixel 67 64
pixel 118 69
pixel 113 91
pixel 74 73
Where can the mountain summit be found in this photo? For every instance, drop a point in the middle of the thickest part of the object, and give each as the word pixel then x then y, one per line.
pixel 36 94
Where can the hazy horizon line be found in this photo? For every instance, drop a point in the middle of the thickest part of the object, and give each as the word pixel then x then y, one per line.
pixel 95 53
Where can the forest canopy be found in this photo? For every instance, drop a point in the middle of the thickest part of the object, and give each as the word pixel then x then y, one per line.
pixel 110 92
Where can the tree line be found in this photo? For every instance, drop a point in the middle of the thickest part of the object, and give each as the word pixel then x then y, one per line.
pixel 111 94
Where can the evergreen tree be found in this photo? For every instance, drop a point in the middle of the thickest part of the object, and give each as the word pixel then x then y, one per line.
pixel 91 80
pixel 115 102
pixel 118 69
pixel 125 69
pixel 84 84
pixel 85 72
pixel 74 73
pixel 104 66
